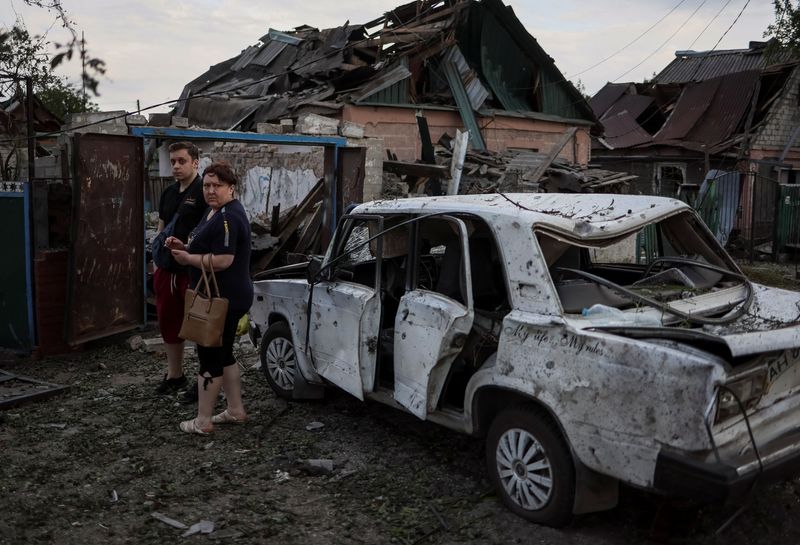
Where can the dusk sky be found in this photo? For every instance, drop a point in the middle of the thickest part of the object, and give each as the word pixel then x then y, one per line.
pixel 154 47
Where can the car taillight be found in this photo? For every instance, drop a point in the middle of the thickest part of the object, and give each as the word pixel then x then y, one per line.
pixel 748 389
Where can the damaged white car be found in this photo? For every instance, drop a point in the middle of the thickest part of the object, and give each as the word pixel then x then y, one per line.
pixel 592 339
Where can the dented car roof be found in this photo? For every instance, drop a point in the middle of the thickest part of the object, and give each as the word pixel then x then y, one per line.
pixel 585 216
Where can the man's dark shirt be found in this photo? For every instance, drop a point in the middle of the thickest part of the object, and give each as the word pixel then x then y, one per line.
pixel 190 210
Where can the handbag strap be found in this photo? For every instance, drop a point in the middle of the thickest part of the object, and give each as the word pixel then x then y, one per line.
pixel 213 276
pixel 204 277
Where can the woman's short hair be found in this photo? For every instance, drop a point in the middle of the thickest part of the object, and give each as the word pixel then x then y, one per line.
pixel 223 171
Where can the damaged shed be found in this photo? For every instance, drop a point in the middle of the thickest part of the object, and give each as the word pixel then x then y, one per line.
pixel 717 129
pixel 465 63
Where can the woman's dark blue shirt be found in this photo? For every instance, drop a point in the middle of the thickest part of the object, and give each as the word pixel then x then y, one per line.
pixel 226 233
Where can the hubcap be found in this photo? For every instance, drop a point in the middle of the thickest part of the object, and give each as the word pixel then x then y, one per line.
pixel 281 363
pixel 524 469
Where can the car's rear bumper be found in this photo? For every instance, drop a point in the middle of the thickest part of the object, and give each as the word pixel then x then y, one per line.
pixel 681 475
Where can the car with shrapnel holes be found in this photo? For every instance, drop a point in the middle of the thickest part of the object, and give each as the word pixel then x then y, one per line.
pixel 591 339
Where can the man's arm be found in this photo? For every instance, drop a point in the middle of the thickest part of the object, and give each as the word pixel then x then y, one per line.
pixel 160 226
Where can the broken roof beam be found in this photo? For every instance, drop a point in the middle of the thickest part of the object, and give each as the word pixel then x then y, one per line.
pixel 416 169
pixel 464 105
pixel 552 154
pixel 397 74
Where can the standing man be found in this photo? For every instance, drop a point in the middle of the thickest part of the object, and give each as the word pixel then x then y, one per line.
pixel 185 198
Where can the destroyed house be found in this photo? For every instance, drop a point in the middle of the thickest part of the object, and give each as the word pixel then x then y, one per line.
pixel 14 135
pixel 733 110
pixel 462 63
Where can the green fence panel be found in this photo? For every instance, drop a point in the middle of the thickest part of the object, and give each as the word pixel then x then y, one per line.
pixel 16 298
pixel 646 245
pixel 789 217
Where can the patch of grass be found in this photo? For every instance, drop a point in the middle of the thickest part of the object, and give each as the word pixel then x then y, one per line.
pixel 778 275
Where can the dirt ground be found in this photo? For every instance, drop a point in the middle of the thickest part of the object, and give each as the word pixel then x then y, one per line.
pixel 99 463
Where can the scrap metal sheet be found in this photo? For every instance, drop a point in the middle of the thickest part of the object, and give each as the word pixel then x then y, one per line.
pixel 105 292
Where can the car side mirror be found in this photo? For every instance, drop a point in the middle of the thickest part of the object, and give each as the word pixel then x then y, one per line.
pixel 313 269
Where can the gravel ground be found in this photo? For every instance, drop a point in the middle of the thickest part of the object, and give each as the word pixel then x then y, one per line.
pixel 99 463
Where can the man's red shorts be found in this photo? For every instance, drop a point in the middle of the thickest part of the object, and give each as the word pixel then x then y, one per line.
pixel 170 288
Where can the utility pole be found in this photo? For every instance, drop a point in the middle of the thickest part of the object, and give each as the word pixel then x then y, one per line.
pixel 83 69
pixel 29 105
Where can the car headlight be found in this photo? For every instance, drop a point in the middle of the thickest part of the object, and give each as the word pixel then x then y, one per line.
pixel 748 388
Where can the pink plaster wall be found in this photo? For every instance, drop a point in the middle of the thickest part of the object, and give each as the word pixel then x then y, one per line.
pixel 398 129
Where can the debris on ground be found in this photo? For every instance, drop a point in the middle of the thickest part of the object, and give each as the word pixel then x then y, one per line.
pixel 394 480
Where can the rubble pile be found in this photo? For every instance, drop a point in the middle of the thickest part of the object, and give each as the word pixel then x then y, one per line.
pixel 522 171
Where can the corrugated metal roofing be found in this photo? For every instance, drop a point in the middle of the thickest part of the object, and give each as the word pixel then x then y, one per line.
pixel 704 65
pixel 244 59
pixel 710 112
pixel 269 53
pixel 692 104
pixel 607 96
pixel 476 92
pixel 622 131
pixel 632 105
pixel 353 63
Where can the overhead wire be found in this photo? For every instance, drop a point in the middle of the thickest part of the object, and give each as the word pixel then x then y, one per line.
pixel 364 40
pixel 691 45
pixel 626 46
pixel 705 55
pixel 314 59
pixel 665 41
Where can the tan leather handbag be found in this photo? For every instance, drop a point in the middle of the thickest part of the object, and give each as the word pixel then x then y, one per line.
pixel 204 313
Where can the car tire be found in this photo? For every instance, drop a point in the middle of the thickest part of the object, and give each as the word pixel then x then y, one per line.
pixel 278 359
pixel 531 467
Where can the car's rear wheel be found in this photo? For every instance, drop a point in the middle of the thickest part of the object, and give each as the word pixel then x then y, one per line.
pixel 531 466
pixel 278 360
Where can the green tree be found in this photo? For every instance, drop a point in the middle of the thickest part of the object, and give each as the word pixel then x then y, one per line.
pixel 786 28
pixel 63 98
pixel 26 55
pixel 22 56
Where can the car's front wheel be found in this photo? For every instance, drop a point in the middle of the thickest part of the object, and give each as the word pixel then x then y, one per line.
pixel 278 360
pixel 531 466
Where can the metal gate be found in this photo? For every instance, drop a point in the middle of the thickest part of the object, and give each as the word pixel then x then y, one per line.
pixel 16 301
pixel 105 293
pixel 789 219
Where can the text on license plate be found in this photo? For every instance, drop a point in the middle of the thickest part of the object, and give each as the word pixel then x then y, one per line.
pixel 781 363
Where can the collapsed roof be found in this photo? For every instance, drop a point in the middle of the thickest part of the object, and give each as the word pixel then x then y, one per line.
pixel 702 101
pixel 427 52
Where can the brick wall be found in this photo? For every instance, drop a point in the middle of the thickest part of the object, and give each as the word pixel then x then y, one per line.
pixel 397 127
pixel 373 168
pixel 783 117
pixel 50 284
pixel 245 156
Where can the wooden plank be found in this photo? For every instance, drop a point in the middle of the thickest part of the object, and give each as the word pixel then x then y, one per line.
pixel 310 231
pixel 552 154
pixel 415 169
pixel 291 226
pixel 275 221
pixel 457 162
pixel 612 182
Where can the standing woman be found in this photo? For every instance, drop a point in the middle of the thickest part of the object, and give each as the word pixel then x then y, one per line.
pixel 223 235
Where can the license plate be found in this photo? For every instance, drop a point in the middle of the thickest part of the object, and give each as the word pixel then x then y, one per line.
pixel 779 364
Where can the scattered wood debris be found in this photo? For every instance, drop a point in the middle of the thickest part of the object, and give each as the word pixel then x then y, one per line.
pixel 524 171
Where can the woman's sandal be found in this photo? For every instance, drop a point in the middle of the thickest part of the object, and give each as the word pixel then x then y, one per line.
pixel 227 418
pixel 190 426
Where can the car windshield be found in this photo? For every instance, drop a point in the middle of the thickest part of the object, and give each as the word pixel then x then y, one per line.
pixel 676 258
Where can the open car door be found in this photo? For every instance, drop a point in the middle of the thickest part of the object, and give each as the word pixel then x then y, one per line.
pixel 345 309
pixel 432 324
